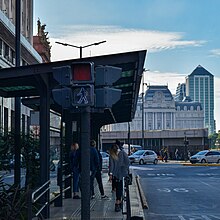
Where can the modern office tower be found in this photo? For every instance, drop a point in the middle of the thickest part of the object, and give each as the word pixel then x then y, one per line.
pixel 180 92
pixel 200 87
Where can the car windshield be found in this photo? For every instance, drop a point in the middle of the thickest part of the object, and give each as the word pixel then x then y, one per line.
pixel 201 153
pixel 139 152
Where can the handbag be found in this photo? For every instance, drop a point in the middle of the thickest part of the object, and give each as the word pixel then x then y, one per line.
pixel 128 179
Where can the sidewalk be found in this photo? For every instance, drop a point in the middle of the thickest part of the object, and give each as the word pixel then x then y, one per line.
pixel 99 208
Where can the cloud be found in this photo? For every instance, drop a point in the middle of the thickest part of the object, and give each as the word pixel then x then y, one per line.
pixel 215 52
pixel 118 40
pixel 164 78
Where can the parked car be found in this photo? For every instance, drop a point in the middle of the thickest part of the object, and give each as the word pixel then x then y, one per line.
pixel 206 156
pixel 105 160
pixel 143 156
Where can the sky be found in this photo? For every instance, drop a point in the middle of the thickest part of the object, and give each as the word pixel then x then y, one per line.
pixel 178 35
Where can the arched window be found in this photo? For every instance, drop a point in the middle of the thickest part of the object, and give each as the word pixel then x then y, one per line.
pixel 185 108
pixel 198 108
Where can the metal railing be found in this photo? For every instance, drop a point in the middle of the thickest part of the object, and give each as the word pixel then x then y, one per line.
pixel 62 182
pixel 126 197
pixel 35 196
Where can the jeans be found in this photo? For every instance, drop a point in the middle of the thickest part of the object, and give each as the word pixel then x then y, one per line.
pixel 98 177
pixel 119 189
pixel 75 180
pixel 92 178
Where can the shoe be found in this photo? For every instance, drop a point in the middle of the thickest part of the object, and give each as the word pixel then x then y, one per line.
pixel 117 208
pixel 76 197
pixel 93 196
pixel 104 197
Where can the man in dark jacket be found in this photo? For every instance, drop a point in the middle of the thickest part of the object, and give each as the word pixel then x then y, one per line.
pixel 98 174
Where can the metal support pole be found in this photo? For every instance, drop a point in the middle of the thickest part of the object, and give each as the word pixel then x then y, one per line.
pixel 17 170
pixel 143 115
pixel 129 140
pixel 80 52
pixel 45 145
pixel 68 142
pixel 85 163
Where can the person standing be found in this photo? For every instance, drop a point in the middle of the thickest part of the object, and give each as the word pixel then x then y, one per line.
pixel 94 166
pixel 118 169
pixel 98 175
pixel 74 163
pixel 177 154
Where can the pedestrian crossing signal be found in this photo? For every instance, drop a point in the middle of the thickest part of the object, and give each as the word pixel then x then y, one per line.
pixel 83 95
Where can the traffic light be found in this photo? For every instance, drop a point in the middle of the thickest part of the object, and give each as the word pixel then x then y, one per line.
pixel 105 77
pixel 63 75
pixel 82 72
pixel 83 95
pixel 63 97
pixel 107 97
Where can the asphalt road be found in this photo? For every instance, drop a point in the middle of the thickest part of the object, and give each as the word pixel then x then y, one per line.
pixel 180 192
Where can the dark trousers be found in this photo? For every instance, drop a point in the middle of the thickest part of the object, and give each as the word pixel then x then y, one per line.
pixel 75 180
pixel 92 178
pixel 98 177
pixel 119 189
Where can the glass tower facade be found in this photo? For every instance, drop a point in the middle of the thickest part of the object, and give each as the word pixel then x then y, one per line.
pixel 200 87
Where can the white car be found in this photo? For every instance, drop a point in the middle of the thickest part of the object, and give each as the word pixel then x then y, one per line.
pixel 105 160
pixel 206 156
pixel 143 156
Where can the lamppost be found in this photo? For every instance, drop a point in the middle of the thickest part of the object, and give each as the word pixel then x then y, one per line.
pixel 81 47
pixel 142 96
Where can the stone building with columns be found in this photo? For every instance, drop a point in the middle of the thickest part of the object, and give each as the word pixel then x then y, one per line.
pixel 162 112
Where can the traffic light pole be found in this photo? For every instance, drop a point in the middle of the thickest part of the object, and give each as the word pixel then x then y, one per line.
pixel 85 162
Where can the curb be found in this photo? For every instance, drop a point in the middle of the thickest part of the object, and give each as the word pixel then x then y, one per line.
pixel 142 196
pixel 201 165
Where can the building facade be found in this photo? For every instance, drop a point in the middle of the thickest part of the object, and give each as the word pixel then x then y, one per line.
pixel 7 55
pixel 200 87
pixel 161 112
pixel 180 92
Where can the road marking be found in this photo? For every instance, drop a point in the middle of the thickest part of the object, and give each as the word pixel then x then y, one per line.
pixel 206 217
pixel 181 217
pixel 181 190
pixel 215 216
pixel 140 168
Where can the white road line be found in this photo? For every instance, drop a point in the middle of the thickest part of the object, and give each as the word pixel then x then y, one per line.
pixel 215 216
pixel 181 217
pixel 206 217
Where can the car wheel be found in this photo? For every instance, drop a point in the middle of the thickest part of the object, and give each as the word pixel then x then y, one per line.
pixel 155 161
pixel 141 162
pixel 203 161
pixel 218 161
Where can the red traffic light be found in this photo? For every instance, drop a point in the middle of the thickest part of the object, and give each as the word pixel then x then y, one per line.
pixel 82 72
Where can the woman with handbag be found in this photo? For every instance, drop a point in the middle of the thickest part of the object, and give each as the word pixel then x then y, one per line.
pixel 118 169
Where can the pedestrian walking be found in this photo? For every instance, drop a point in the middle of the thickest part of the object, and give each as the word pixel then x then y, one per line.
pixel 166 155
pixel 98 175
pixel 177 154
pixel 119 168
pixel 94 166
pixel 74 164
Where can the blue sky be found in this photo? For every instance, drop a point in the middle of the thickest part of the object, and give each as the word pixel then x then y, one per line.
pixel 178 34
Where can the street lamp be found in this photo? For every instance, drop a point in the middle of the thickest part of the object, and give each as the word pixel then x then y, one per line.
pixel 142 96
pixel 81 47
